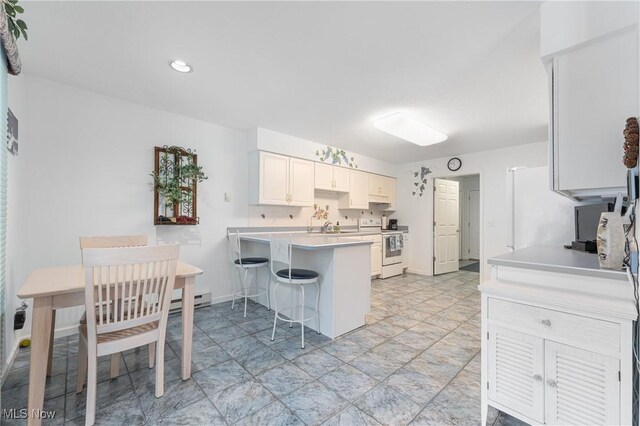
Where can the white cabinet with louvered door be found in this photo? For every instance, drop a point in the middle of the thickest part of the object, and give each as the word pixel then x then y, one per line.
pixel 301 177
pixel 559 343
pixel 582 387
pixel 516 371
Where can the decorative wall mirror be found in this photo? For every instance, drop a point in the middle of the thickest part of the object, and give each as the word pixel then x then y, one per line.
pixel 176 178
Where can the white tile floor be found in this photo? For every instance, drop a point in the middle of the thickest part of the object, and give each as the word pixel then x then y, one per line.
pixel 416 362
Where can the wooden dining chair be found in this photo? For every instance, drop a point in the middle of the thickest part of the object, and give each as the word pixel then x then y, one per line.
pixel 111 242
pixel 127 298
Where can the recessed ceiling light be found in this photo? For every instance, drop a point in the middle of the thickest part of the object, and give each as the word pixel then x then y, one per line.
pixel 408 128
pixel 180 66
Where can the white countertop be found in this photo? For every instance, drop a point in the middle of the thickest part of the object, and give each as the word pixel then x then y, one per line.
pixel 309 241
pixel 557 259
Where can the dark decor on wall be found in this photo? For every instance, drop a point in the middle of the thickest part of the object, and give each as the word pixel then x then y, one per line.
pixel 175 182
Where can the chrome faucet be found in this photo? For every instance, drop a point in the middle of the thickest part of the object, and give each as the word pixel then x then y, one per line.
pixel 326 226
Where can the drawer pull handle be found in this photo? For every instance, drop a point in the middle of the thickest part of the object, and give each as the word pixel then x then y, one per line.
pixel 537 378
pixel 546 322
pixel 552 383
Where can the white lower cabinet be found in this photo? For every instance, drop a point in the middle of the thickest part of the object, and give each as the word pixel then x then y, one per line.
pixel 376 253
pixel 558 348
pixel 516 371
pixel 581 387
pixel 550 382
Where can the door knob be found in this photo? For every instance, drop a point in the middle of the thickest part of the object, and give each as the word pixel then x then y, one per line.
pixel 546 322
pixel 552 383
pixel 537 378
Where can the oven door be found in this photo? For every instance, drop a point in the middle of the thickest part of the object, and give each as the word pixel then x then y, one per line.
pixel 391 251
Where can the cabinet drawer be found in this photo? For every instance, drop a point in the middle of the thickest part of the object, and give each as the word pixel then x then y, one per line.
pixel 588 331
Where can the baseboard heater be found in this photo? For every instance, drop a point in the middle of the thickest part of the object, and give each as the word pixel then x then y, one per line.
pixel 198 301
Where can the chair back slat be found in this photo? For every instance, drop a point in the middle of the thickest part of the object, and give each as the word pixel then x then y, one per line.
pixel 129 286
pixel 280 252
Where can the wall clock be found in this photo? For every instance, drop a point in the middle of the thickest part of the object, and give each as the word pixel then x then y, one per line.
pixel 454 164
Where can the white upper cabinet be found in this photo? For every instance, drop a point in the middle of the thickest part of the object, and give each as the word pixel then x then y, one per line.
pixel 340 179
pixel 595 89
pixel 301 177
pixel 358 195
pixel 274 179
pixel 378 186
pixel 392 185
pixel 382 190
pixel 280 180
pixel 324 177
pixel 331 178
pixel 591 53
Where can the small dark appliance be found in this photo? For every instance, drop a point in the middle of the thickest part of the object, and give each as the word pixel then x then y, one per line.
pixel 586 223
pixel 393 224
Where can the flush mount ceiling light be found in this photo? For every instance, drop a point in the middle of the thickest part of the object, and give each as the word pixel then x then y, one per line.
pixel 180 66
pixel 408 128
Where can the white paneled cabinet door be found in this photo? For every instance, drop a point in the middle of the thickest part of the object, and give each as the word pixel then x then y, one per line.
pixel 374 184
pixel 301 182
pixel 376 259
pixel 324 176
pixel 340 179
pixel 582 387
pixel 446 205
pixel 516 371
pixel 274 179
pixel 595 90
pixel 358 190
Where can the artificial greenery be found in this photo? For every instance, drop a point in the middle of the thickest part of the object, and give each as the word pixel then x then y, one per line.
pixel 16 26
pixel 335 156
pixel 174 179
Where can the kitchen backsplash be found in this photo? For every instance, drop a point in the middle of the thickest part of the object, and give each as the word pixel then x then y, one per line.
pixel 302 216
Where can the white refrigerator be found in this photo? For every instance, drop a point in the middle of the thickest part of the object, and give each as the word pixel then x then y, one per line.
pixel 538 216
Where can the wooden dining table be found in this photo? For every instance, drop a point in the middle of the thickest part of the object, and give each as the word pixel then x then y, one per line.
pixel 63 287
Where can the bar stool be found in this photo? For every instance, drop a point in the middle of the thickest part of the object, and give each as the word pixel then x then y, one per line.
pixel 296 278
pixel 244 264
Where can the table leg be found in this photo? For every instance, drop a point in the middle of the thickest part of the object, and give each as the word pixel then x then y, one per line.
pixel 40 340
pixel 187 325
pixel 53 330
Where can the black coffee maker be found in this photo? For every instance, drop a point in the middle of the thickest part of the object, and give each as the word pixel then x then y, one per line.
pixel 393 224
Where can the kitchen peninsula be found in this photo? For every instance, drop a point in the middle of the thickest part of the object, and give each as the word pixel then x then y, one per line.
pixel 344 265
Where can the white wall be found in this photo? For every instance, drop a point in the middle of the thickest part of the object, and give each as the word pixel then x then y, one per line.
pixel 417 212
pixel 17 222
pixel 83 169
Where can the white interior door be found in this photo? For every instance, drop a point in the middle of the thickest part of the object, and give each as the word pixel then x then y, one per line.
pixel 446 226
pixel 474 224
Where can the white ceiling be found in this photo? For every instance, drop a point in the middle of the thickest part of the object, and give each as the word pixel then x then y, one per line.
pixel 316 70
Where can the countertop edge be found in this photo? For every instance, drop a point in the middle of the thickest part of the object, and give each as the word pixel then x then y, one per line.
pixel 524 263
